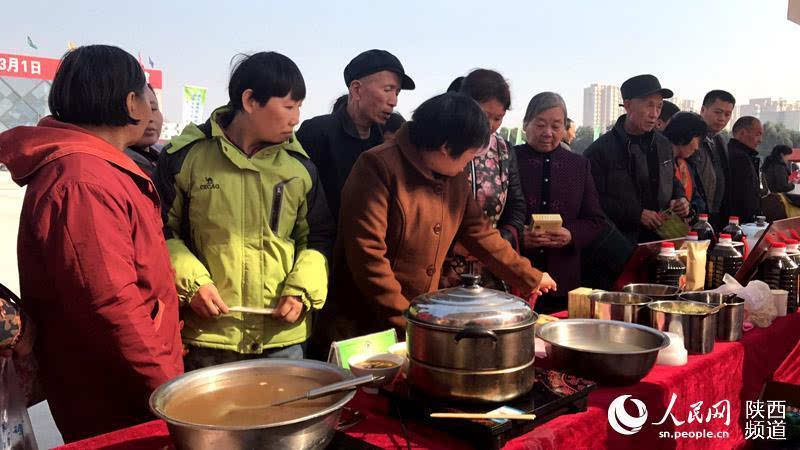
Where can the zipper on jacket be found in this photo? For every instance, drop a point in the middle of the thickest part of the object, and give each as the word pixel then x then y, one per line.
pixel 277 203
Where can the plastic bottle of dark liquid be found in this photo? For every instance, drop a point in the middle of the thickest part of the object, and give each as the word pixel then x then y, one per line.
pixel 722 259
pixel 733 229
pixel 705 232
pixel 780 272
pixel 793 251
pixel 667 267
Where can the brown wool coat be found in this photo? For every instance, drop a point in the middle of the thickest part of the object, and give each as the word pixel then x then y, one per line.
pixel 397 222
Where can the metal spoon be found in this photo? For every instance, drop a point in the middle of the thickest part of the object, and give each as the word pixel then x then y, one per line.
pixel 334 388
pixel 319 392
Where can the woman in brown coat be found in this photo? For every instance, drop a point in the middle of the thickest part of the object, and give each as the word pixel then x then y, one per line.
pixel 402 207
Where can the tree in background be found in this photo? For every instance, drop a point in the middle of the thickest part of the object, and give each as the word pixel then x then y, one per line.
pixel 777 134
pixel 503 132
pixel 583 137
pixel 513 135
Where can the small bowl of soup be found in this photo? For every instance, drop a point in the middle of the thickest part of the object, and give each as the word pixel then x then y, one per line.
pixel 385 365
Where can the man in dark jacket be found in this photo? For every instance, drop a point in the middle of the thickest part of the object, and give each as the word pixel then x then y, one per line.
pixel 710 161
pixel 335 141
pixel 744 187
pixel 633 165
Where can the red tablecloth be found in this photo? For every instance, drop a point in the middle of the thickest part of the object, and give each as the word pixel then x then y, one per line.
pixel 734 371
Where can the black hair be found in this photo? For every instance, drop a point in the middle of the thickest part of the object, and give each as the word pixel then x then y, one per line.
pixel 718 94
pixel 779 150
pixel 684 127
pixel 568 123
pixel 92 85
pixel 450 119
pixel 743 122
pixel 455 86
pixel 668 109
pixel 268 74
pixel 484 85
pixel 395 121
pixel 340 102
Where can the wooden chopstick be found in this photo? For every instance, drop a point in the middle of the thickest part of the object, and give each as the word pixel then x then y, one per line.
pixel 247 310
pixel 483 416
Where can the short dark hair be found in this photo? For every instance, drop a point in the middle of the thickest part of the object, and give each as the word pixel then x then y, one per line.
pixel 718 94
pixel 395 121
pixel 341 101
pixel 744 122
pixel 685 126
pixel 92 84
pixel 268 74
pixel 568 124
pixel 484 85
pixel 779 150
pixel 668 109
pixel 455 85
pixel 450 119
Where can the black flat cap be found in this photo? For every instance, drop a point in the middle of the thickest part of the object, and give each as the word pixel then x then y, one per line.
pixel 642 86
pixel 374 61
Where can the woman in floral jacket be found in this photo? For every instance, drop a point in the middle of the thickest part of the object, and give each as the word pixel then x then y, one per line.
pixel 492 175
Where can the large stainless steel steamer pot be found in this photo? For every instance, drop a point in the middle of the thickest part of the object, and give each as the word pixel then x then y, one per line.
pixel 471 343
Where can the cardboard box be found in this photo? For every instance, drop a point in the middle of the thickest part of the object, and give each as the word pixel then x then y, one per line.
pixel 542 223
pixel 578 304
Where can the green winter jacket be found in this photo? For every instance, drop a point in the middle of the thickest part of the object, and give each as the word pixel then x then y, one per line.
pixel 257 227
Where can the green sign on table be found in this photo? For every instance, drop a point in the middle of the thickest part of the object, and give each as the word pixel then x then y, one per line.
pixel 373 343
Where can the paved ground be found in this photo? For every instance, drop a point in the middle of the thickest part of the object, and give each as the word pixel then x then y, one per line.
pixel 11 195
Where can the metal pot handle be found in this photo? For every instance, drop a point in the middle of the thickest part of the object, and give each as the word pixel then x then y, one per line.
pixel 476 333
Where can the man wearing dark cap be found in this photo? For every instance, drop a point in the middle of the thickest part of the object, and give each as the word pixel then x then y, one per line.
pixel 335 141
pixel 668 109
pixel 633 167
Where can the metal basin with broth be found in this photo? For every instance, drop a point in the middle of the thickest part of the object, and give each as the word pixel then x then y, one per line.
pixel 225 406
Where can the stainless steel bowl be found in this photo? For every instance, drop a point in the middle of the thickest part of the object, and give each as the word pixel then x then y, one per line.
pixel 698 329
pixel 610 352
pixel 622 306
pixel 313 431
pixel 654 291
pixel 730 319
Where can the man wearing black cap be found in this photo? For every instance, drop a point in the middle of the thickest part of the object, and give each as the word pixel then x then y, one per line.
pixel 632 165
pixel 668 109
pixel 334 141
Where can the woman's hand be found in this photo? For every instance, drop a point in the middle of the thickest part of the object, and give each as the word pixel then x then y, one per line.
pixel 533 240
pixel 559 238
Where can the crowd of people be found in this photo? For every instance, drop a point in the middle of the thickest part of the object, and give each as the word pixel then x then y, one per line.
pixel 134 259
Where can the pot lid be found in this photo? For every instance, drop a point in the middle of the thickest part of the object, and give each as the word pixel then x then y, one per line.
pixel 471 305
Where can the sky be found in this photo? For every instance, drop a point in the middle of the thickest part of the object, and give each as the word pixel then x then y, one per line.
pixel 746 47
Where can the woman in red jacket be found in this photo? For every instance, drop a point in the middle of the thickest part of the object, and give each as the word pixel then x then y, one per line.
pixel 95 275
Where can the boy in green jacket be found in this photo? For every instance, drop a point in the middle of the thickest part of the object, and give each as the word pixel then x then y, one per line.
pixel 246 220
